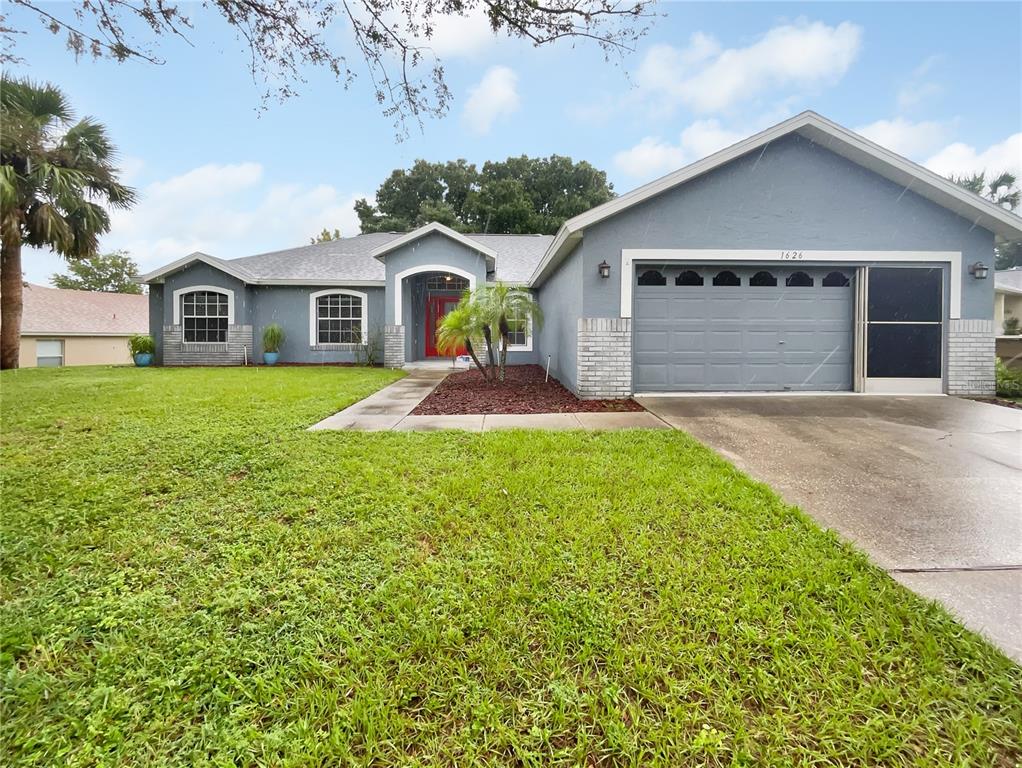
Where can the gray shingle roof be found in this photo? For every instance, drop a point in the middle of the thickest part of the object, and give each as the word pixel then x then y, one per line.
pixel 349 258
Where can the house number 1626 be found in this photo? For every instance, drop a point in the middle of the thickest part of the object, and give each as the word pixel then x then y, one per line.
pixel 792 255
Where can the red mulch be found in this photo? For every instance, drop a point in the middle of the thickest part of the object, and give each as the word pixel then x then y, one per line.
pixel 523 391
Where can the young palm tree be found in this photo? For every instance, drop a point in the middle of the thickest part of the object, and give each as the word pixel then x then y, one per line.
pixel 55 176
pixel 457 330
pixel 503 305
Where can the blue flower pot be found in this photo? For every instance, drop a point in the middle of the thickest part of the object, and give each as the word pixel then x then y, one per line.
pixel 270 358
pixel 143 359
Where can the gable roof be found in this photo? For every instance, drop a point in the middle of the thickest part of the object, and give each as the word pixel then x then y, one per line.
pixel 62 312
pixel 437 228
pixel 1008 280
pixel 835 138
pixel 351 260
pixel 156 276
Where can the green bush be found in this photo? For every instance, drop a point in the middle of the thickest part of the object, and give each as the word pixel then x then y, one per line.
pixel 273 337
pixel 140 344
pixel 1009 380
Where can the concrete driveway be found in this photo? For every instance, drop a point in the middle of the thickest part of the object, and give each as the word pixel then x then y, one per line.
pixel 929 487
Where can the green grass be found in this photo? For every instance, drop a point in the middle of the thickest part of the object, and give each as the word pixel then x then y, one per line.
pixel 190 578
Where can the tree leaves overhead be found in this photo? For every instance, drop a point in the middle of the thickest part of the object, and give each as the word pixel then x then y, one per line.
pixel 108 272
pixel 520 195
pixel 1002 190
pixel 387 41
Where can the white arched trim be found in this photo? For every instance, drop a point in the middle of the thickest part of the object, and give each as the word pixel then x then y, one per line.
pixel 212 289
pixel 396 292
pixel 313 335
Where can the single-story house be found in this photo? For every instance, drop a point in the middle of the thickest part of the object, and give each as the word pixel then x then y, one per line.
pixel 1008 305
pixel 804 258
pixel 62 327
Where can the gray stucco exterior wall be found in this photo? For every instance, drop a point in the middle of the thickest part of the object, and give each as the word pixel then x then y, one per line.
pixel 204 274
pixel 156 320
pixel 795 194
pixel 289 307
pixel 561 299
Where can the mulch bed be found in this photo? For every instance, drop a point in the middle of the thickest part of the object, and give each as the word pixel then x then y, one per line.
pixel 523 391
pixel 998 401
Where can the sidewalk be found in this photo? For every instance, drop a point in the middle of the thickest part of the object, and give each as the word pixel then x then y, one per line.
pixel 390 409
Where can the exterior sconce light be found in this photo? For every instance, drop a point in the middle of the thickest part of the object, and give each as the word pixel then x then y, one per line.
pixel 979 270
pixel 605 269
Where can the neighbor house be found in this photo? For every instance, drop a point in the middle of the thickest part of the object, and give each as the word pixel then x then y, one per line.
pixel 1008 308
pixel 805 258
pixel 61 327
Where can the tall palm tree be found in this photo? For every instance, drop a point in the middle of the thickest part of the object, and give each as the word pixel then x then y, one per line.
pixel 457 330
pixel 503 306
pixel 56 175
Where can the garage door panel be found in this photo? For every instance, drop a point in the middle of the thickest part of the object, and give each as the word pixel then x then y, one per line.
pixel 743 337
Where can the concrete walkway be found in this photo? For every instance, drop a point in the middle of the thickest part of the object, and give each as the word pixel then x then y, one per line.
pixel 390 409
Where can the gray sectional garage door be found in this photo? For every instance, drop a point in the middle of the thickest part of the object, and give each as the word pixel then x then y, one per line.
pixel 753 336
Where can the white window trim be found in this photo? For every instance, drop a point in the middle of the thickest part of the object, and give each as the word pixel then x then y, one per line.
pixel 812 258
pixel 527 346
pixel 212 289
pixel 313 325
pixel 396 292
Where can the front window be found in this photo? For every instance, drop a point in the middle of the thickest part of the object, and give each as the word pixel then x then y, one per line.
pixel 339 319
pixel 518 330
pixel 204 315
pixel 49 353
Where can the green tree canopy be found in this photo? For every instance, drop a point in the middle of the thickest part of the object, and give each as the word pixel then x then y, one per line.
pixel 107 272
pixel 520 195
pixel 325 236
pixel 58 178
pixel 1002 190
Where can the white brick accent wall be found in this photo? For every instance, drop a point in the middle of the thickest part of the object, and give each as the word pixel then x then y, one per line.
pixel 970 357
pixel 604 357
pixel 393 346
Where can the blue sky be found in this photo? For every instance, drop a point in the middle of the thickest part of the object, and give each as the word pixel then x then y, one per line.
pixel 937 82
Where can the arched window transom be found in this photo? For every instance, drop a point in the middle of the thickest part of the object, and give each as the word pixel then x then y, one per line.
pixel 836 280
pixel 726 277
pixel 799 280
pixel 689 277
pixel 763 279
pixel 652 277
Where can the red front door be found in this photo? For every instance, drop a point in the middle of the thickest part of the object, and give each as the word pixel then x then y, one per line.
pixel 436 308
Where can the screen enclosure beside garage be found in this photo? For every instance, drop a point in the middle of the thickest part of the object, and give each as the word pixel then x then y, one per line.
pixel 788 325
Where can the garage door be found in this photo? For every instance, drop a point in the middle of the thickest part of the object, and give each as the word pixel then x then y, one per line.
pixel 757 328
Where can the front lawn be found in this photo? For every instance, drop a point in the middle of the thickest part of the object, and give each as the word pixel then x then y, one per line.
pixel 190 578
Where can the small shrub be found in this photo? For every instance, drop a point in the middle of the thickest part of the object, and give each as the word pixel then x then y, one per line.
pixel 140 344
pixel 273 338
pixel 1009 380
pixel 1011 326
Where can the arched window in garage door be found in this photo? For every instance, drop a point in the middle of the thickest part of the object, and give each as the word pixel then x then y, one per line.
pixel 763 279
pixel 726 278
pixel 652 277
pixel 836 280
pixel 689 277
pixel 799 280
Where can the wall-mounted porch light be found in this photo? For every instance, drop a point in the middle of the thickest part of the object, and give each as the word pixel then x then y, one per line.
pixel 979 270
pixel 604 269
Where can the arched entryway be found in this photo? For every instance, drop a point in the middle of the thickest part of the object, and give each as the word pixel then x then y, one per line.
pixel 423 296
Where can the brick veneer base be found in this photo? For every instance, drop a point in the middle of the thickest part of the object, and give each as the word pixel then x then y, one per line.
pixel 970 357
pixel 604 357
pixel 393 346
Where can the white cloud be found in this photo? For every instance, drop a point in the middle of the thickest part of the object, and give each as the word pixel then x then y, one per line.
pixel 708 78
pixel 227 210
pixel 961 159
pixel 495 96
pixel 917 89
pixel 652 157
pixel 911 139
pixel 460 36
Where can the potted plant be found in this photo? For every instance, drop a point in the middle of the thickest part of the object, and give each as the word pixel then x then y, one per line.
pixel 273 337
pixel 142 348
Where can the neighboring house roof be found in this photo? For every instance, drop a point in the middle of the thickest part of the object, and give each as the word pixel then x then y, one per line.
pixel 835 138
pixel 1008 280
pixel 59 312
pixel 354 260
